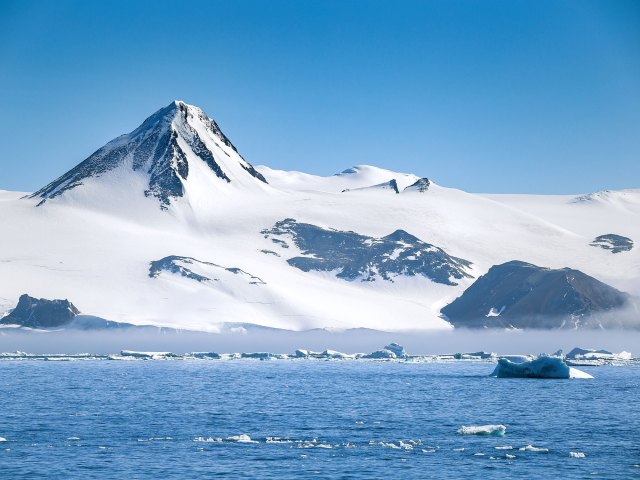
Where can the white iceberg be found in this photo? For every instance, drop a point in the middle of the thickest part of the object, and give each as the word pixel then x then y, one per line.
pixel 541 367
pixel 493 430
pixel 577 455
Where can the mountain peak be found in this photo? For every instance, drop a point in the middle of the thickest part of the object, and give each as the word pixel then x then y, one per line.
pixel 169 148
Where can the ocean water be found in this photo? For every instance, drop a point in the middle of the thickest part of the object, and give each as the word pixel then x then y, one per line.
pixel 312 419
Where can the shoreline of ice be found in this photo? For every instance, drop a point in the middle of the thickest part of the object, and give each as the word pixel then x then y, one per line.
pixel 511 365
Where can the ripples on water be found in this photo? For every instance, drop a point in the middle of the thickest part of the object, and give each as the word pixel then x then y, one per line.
pixel 288 419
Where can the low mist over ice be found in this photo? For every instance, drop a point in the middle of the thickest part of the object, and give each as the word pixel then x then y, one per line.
pixel 350 341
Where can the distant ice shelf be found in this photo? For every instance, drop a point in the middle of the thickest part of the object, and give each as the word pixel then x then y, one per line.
pixel 520 366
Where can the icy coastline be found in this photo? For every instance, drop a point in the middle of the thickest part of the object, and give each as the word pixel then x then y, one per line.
pixel 507 366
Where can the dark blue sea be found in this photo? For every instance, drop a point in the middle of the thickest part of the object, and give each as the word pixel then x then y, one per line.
pixel 311 419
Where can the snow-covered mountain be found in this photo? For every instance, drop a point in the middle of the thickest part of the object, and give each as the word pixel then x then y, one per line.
pixel 178 155
pixel 168 225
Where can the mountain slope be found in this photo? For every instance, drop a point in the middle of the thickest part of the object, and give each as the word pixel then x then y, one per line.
pixel 155 199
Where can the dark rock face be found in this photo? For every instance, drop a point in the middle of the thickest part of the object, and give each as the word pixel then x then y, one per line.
pixel 614 243
pixel 390 185
pixel 354 256
pixel 421 186
pixel 521 295
pixel 154 149
pixel 41 313
pixel 181 266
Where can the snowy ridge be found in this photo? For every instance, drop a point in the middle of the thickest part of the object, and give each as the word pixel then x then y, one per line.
pixel 359 176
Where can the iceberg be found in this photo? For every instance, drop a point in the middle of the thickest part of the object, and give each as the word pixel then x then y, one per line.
pixel 602 355
pixel 209 355
pixel 381 354
pixel 260 355
pixel 148 355
pixel 493 430
pixel 541 367
pixel 397 349
pixel 207 440
pixel 474 356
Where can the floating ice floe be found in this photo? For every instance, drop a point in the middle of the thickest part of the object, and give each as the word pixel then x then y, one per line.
pixel 475 356
pixel 541 367
pixel 277 440
pixel 207 440
pixel 531 448
pixel 242 438
pixel 155 439
pixel 577 455
pixel 409 445
pixel 2 439
pixel 493 430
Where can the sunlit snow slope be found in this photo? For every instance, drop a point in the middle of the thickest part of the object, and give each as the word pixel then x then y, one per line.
pixel 169 225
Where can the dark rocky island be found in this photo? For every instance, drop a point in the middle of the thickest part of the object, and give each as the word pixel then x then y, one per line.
pixel 521 295
pixel 40 313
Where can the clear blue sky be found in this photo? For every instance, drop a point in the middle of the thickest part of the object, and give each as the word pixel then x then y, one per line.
pixel 489 96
